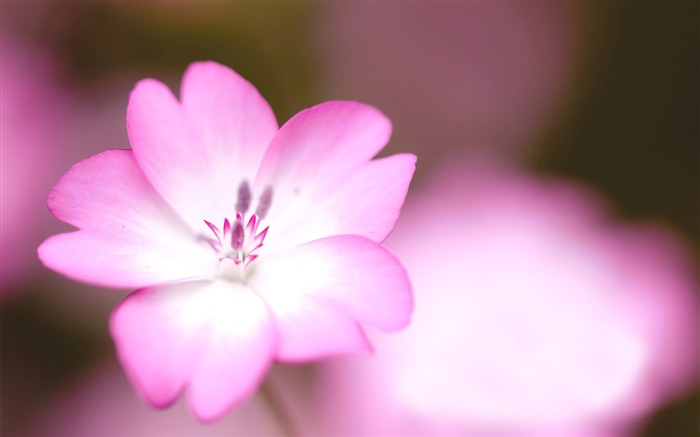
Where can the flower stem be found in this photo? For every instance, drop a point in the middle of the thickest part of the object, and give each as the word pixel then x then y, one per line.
pixel 278 409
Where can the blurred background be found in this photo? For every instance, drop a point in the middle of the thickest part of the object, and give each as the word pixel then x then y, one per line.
pixel 579 120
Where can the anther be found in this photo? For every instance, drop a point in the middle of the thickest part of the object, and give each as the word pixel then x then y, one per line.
pixel 244 197
pixel 264 204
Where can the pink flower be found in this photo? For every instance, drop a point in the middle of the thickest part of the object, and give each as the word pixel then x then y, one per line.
pixel 536 315
pixel 34 111
pixel 247 243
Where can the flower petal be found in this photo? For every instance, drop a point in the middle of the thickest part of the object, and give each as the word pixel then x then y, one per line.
pixel 309 327
pixel 326 279
pixel 197 153
pixel 216 338
pixel 329 138
pixel 234 120
pixel 129 236
pixel 366 202
pixel 317 150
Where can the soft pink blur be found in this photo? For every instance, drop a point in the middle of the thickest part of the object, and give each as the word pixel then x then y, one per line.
pixel 47 126
pixel 455 73
pixel 535 315
pixel 103 404
pixel 34 109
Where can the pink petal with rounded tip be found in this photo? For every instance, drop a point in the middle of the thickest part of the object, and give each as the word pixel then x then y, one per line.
pixel 197 153
pixel 366 202
pixel 337 282
pixel 331 138
pixel 317 150
pixel 214 338
pixel 128 237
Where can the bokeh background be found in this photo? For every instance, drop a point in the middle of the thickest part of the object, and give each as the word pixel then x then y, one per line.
pixel 602 96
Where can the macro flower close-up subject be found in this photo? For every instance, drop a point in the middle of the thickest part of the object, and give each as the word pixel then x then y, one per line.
pixel 247 243
pixel 361 219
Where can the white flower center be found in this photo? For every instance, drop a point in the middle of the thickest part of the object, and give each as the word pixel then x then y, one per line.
pixel 239 243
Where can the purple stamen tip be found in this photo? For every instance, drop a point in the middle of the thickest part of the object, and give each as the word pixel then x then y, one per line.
pixel 244 198
pixel 265 203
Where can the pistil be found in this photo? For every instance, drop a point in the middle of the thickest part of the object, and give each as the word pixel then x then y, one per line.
pixel 240 241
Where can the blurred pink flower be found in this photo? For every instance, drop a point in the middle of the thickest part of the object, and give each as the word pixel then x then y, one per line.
pixel 33 111
pixel 535 315
pixel 455 74
pixel 290 281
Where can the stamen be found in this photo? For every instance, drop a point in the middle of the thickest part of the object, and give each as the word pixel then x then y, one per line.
pixel 239 241
pixel 216 245
pixel 261 236
pixel 214 229
pixel 252 225
pixel 244 197
pixel 237 236
pixel 264 204
pixel 227 230
pixel 250 259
